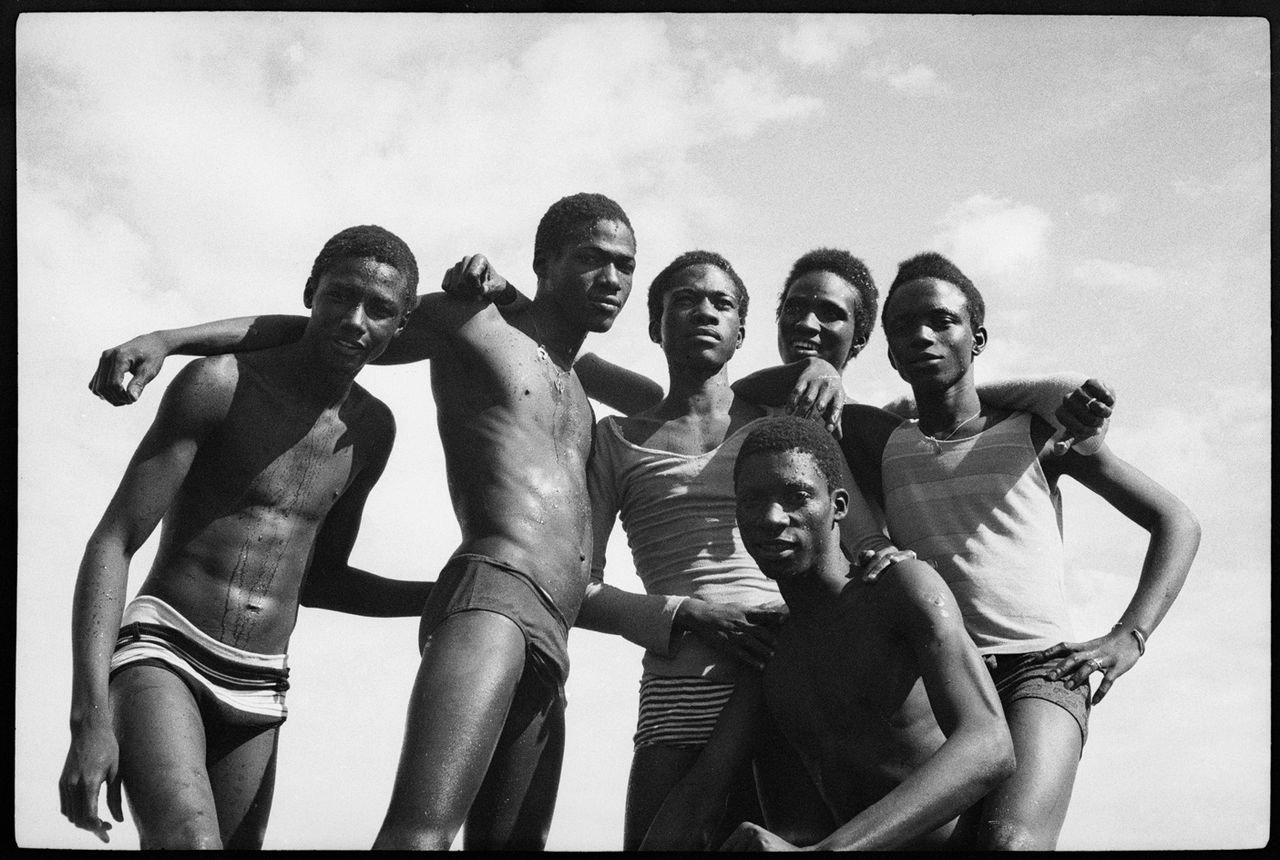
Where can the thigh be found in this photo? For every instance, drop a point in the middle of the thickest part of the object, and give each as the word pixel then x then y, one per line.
pixel 792 806
pixel 655 770
pixel 513 808
pixel 470 668
pixel 162 759
pixel 242 774
pixel 1027 810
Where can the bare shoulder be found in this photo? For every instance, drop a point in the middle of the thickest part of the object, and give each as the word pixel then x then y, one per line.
pixel 367 414
pixel 204 387
pixel 919 598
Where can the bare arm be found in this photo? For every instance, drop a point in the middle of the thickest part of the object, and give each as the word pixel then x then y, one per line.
pixel 687 819
pixel 978 751
pixel 1171 548
pixel 808 388
pixel 1077 407
pixel 334 584
pixel 615 386
pixel 193 404
pixel 143 356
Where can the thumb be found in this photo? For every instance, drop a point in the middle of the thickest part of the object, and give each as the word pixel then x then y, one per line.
pixel 113 797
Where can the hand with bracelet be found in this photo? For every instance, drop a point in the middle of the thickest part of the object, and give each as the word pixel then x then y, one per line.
pixel 1112 655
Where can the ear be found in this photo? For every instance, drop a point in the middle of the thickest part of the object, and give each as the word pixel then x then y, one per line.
pixel 655 331
pixel 742 333
pixel 858 344
pixel 979 340
pixel 839 503
pixel 889 352
pixel 308 293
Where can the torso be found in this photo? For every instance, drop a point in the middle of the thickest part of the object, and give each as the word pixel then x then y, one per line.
pixel 516 432
pixel 237 539
pixel 848 695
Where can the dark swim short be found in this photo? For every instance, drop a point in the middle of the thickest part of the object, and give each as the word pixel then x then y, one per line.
pixel 1022 676
pixel 471 581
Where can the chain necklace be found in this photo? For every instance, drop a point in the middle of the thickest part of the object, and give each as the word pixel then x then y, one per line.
pixel 546 357
pixel 937 441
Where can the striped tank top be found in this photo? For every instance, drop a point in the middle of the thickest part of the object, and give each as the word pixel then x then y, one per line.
pixel 981 511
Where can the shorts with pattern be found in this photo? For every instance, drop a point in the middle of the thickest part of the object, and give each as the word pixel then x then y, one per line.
pixel 679 712
pixel 1022 676
pixel 242 689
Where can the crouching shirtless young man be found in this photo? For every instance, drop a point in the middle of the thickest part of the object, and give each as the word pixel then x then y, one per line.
pixel 259 464
pixel 877 687
pixel 484 738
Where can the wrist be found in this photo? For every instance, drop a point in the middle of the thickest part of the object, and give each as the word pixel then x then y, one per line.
pixel 1134 632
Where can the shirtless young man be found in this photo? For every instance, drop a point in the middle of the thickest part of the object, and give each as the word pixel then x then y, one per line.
pixel 259 465
pixel 878 687
pixel 990 522
pixel 485 733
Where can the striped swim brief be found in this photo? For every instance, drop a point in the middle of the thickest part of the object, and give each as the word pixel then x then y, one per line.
pixel 679 712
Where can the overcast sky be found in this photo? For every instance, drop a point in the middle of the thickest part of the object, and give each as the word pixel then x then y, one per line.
pixel 1105 181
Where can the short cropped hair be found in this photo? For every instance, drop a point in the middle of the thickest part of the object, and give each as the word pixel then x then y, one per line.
pixel 788 433
pixel 665 280
pixel 931 264
pixel 572 218
pixel 368 240
pixel 848 267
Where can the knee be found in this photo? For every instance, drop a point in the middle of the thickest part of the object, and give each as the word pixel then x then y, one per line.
pixel 394 838
pixel 1013 836
pixel 182 836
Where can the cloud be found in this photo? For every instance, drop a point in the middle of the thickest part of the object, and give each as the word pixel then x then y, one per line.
pixel 824 40
pixel 914 80
pixel 1109 275
pixel 997 241
pixel 1100 204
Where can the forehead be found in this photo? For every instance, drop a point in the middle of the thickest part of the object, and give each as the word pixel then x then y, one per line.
pixel 924 295
pixel 765 469
pixel 610 235
pixel 824 286
pixel 365 273
pixel 702 278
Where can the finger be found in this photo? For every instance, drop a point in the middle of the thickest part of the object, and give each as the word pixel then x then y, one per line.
pixel 1102 689
pixel 1104 394
pixel 113 797
pixel 141 378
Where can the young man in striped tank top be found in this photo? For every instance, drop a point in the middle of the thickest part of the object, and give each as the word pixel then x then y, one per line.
pixel 972 488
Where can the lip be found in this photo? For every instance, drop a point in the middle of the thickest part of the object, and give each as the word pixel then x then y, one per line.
pixel 803 347
pixel 607 303
pixel 924 360
pixel 351 346
pixel 705 333
pixel 773 548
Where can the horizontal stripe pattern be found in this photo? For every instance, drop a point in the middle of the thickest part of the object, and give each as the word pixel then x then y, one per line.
pixel 679 711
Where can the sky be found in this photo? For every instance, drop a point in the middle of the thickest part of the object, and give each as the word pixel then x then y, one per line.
pixel 1104 181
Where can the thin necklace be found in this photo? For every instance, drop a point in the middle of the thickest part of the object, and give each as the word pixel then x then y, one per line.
pixel 545 356
pixel 937 441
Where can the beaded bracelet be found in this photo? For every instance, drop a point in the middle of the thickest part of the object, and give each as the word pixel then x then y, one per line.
pixel 1138 635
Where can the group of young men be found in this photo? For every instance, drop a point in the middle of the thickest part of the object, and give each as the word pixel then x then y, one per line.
pixel 810 678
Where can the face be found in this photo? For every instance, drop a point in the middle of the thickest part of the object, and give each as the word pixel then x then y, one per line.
pixel 818 317
pixel 357 306
pixel 590 279
pixel 931 340
pixel 786 513
pixel 700 320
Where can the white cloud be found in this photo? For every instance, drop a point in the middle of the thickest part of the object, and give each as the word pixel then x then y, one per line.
pixel 996 241
pixel 824 40
pixel 1107 275
pixel 1100 204
pixel 916 79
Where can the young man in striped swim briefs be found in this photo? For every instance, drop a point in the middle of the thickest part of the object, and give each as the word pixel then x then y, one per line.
pixel 259 465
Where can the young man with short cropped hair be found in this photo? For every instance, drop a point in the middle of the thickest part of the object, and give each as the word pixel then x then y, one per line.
pixel 259 464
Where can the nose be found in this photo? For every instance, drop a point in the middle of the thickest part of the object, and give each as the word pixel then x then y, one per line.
pixel 806 321
pixel 608 274
pixel 355 317
pixel 703 311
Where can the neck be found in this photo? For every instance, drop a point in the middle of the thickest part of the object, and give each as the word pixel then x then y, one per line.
pixel 941 409
pixel 554 333
pixel 813 592
pixel 309 378
pixel 697 391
